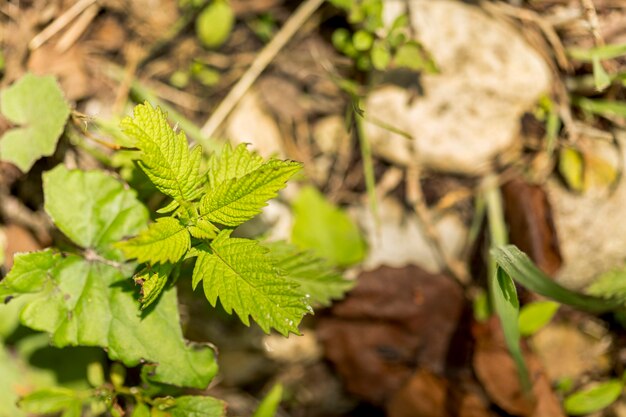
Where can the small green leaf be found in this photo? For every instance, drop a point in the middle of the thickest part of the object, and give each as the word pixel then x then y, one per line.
pixel 534 316
pixel 519 266
pixel 593 399
pixel 341 39
pixel 95 374
pixel 37 106
pixel 605 108
pixel 326 229
pixel 603 52
pixel 239 273
pixel 362 40
pixel 91 208
pixel 611 284
pixel 195 406
pixel 152 280
pixel 49 400
pixel 601 79
pixel 141 410
pixel 317 280
pixel 214 24
pixel 166 240
pixel 270 403
pixel 380 56
pixel 166 159
pixel 571 167
pixel 237 200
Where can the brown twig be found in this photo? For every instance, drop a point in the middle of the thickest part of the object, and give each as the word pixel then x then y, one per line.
pixel 59 23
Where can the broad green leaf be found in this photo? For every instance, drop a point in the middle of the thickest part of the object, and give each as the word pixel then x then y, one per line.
pixel 519 266
pixel 214 24
pixel 166 158
pixel 152 280
pixel 611 284
pixel 92 208
pixel 49 400
pixel 236 201
pixel 239 273
pixel 90 303
pixel 534 316
pixel 317 280
pixel 270 403
pixel 232 163
pixel 36 105
pixel 166 240
pixel 571 167
pixel 326 229
pixel 593 399
pixel 195 406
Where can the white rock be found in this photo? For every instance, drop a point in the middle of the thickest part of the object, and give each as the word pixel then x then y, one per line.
pixel 590 228
pixel 470 111
pixel 399 241
pixel 251 123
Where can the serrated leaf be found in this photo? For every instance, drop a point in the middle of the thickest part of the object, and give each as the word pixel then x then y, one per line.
pixel 152 280
pixel 239 273
pixel 166 159
pixel 316 279
pixel 232 163
pixel 326 229
pixel 92 208
pixel 593 399
pixel 195 406
pixel 93 304
pixel 235 201
pixel 166 240
pixel 37 106
pixel 203 229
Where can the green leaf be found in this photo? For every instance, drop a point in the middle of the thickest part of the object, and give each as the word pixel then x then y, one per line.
pixel 90 303
pixel 166 240
pixel 605 108
pixel 203 229
pixel 239 273
pixel 600 52
pixel 270 403
pixel 317 280
pixel 571 167
pixel 195 406
pixel 380 55
pixel 92 209
pixel 152 280
pixel 166 159
pixel 325 229
pixel 37 106
pixel 519 266
pixel 214 24
pixel 611 284
pixel 600 77
pixel 141 410
pixel 232 163
pixel 362 40
pixel 593 399
pixel 235 201
pixel 534 316
pixel 49 400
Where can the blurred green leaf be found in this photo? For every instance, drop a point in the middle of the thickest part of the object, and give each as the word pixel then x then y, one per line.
pixel 49 400
pixel 600 77
pixel 380 56
pixel 606 108
pixel 326 229
pixel 600 52
pixel 270 403
pixel 362 40
pixel 611 284
pixel 214 24
pixel 534 316
pixel 195 406
pixel 593 399
pixel 36 105
pixel 571 167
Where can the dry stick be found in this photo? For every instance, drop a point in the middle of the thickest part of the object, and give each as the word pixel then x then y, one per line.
pixel 77 29
pixel 59 23
pixel 261 62
pixel 416 198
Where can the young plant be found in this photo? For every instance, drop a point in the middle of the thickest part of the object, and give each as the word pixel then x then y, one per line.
pixel 83 295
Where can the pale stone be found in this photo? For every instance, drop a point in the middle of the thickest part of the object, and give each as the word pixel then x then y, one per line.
pixel 399 241
pixel 470 111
